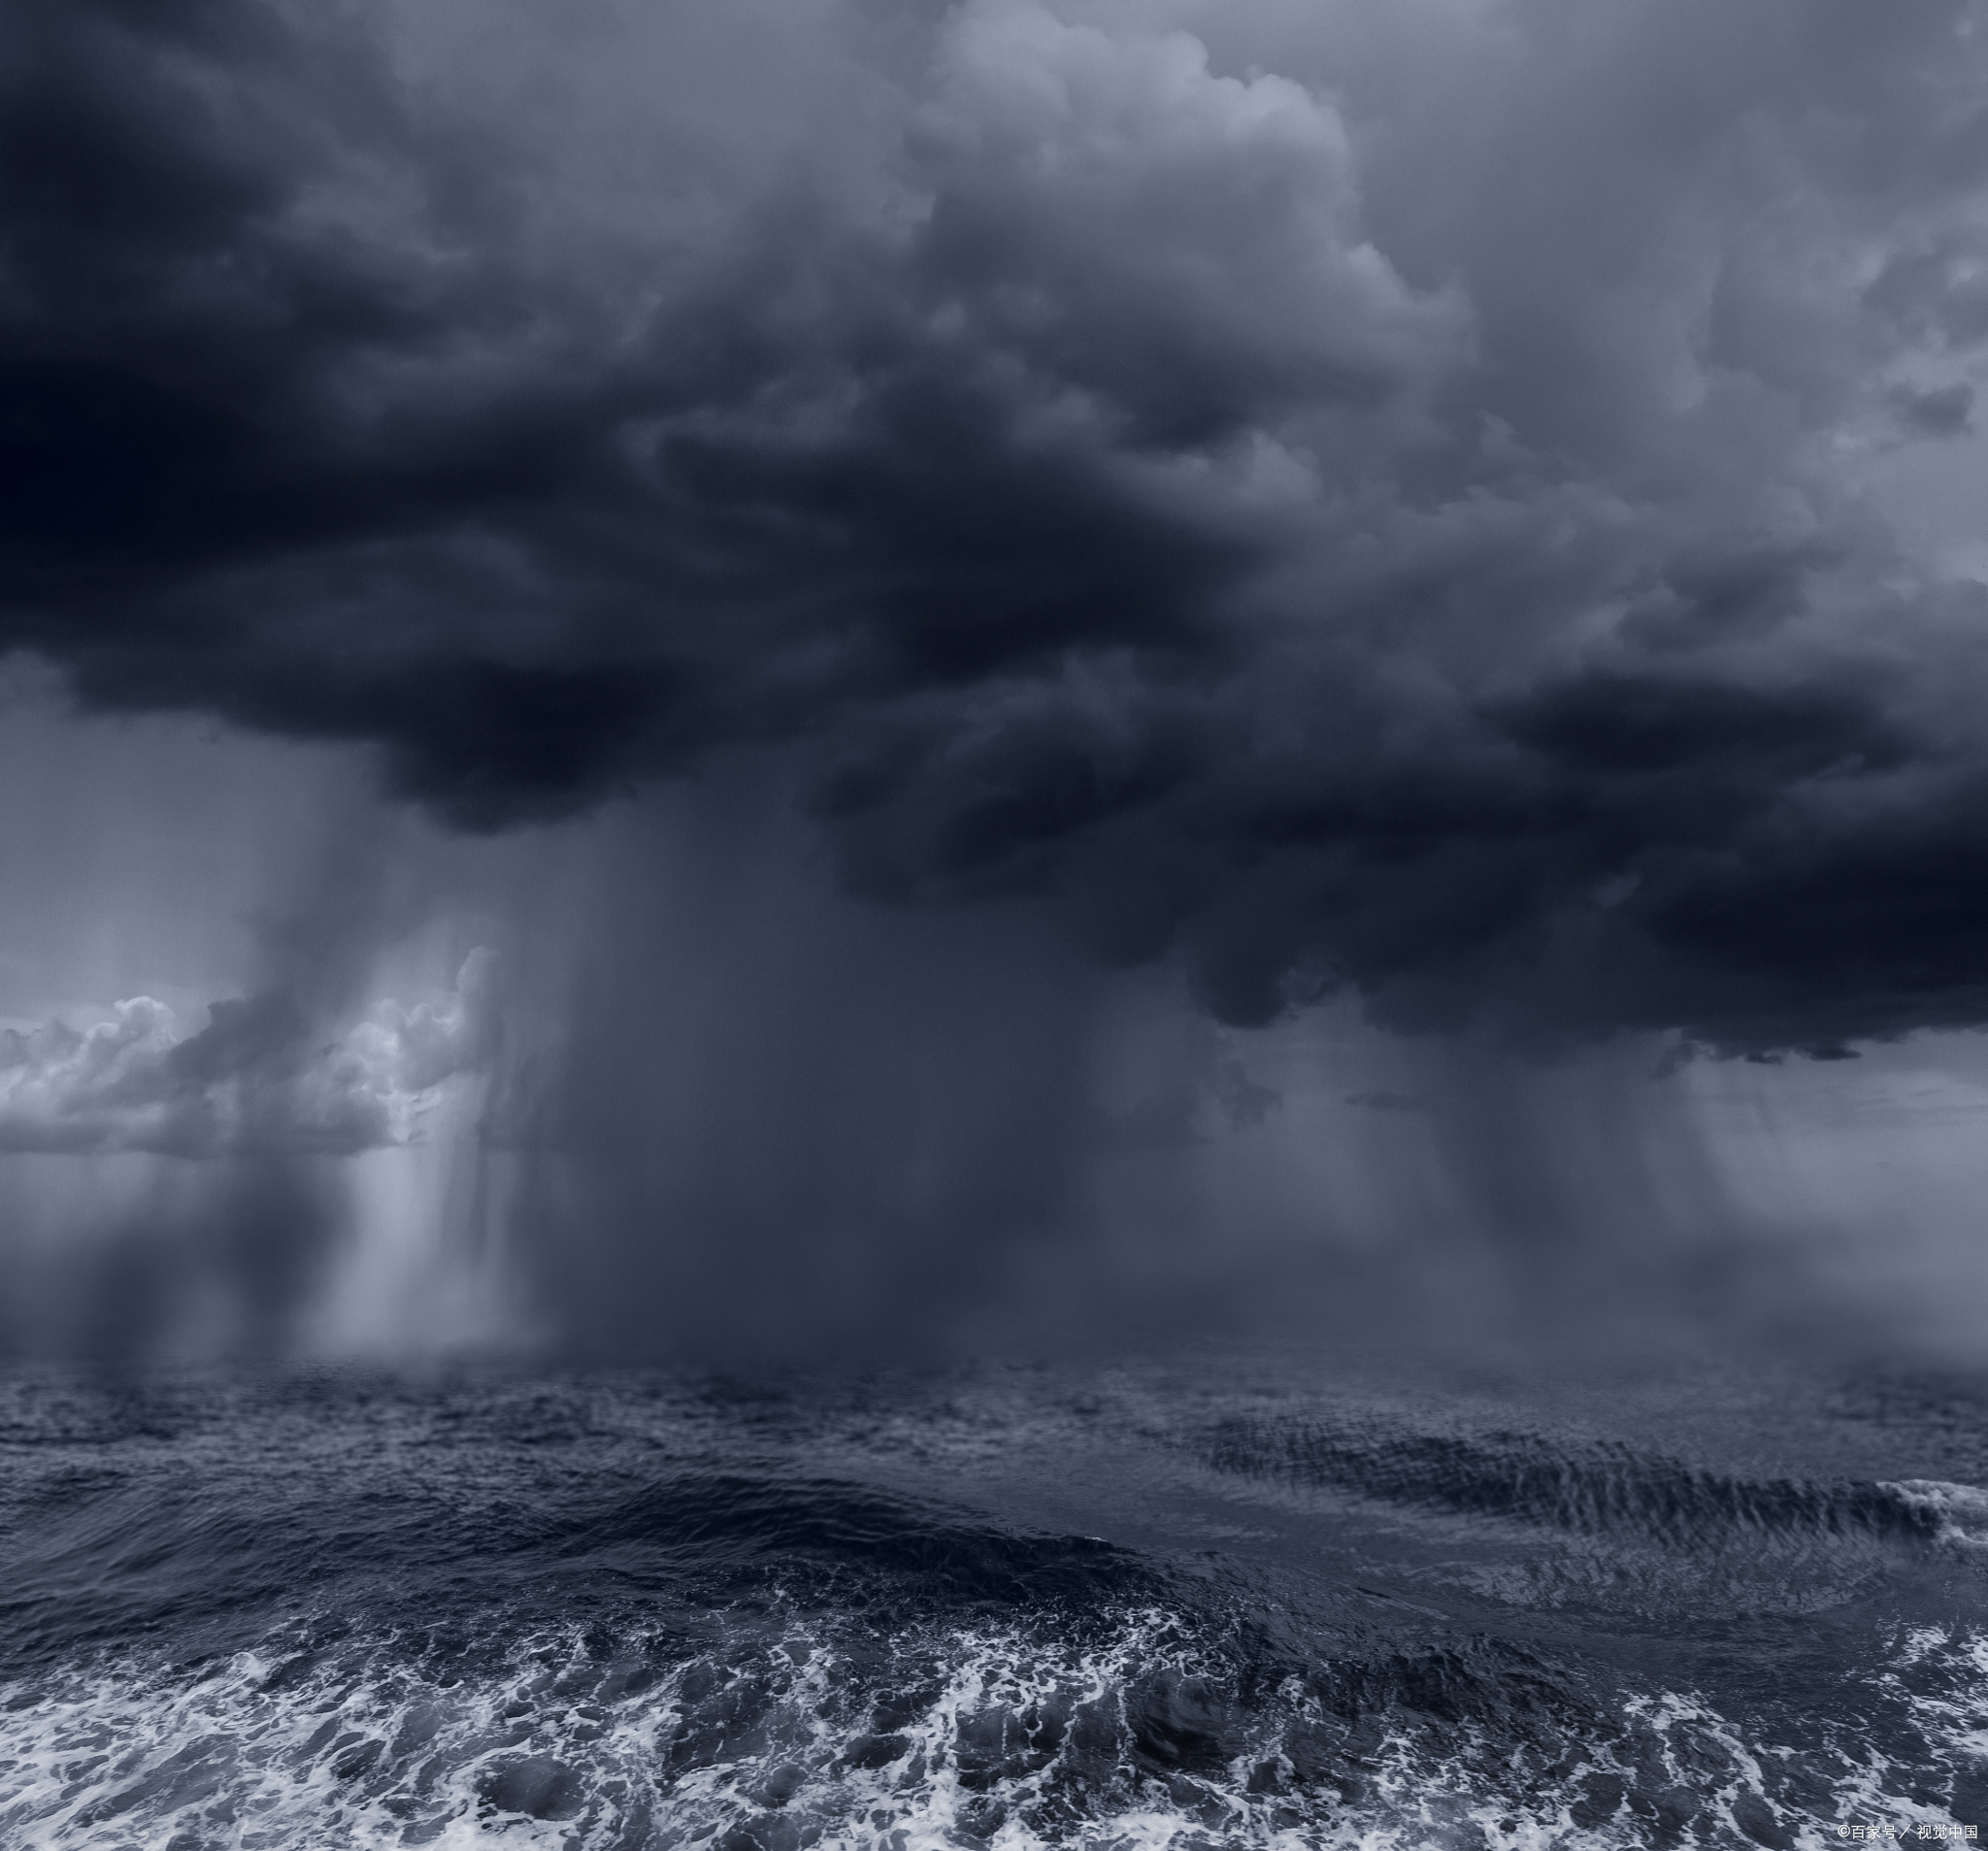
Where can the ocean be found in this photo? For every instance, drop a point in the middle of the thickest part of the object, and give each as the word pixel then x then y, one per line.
pixel 1224 1596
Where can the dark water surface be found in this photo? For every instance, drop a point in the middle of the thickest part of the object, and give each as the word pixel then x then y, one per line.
pixel 1225 1599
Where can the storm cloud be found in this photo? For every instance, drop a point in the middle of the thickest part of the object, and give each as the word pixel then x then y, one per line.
pixel 1358 498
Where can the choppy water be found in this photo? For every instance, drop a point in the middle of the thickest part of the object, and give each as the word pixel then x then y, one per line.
pixel 1234 1602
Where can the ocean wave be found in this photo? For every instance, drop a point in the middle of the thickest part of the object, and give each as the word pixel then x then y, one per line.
pixel 1600 1489
pixel 1955 1515
pixel 740 1519
pixel 608 1619
pixel 782 1732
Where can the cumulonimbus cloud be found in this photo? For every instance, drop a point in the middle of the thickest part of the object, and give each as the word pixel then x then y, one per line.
pixel 255 1079
pixel 1367 497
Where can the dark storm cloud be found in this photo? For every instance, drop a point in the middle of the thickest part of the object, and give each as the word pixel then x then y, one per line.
pixel 1364 498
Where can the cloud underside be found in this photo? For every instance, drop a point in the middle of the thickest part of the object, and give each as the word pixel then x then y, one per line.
pixel 1360 497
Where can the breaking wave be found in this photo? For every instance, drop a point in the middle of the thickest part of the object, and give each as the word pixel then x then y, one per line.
pixel 778 1733
pixel 623 1617
pixel 1596 1489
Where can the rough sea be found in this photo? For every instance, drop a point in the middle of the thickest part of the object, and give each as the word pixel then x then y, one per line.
pixel 1221 1598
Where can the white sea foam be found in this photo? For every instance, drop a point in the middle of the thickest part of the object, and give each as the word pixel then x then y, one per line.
pixel 1958 1512
pixel 1002 1741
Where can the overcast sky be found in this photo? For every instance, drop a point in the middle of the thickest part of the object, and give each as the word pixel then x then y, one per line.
pixel 1464 513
